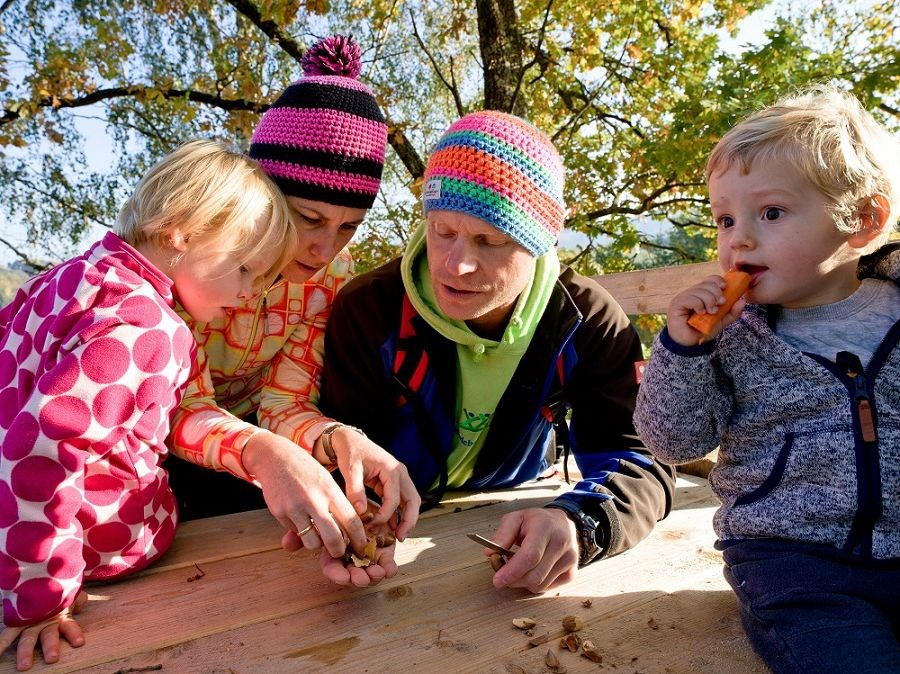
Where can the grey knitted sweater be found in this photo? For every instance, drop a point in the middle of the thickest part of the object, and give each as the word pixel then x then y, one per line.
pixel 795 462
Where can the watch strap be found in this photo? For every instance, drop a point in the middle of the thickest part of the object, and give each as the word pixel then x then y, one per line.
pixel 327 447
pixel 587 528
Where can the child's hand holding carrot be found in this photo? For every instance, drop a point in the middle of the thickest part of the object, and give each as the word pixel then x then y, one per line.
pixel 699 313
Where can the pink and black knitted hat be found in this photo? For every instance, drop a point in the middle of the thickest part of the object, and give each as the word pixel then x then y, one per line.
pixel 324 138
pixel 503 170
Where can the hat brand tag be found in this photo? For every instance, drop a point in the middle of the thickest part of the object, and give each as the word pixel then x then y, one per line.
pixel 433 189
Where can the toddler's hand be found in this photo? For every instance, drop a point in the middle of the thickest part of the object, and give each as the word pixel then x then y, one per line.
pixel 48 633
pixel 705 297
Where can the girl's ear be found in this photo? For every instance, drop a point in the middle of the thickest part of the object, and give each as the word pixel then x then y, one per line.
pixel 872 219
pixel 177 239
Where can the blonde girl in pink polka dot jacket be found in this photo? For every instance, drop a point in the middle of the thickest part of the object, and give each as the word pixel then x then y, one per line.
pixel 93 360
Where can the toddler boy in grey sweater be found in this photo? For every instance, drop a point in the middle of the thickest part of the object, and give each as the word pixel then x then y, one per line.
pixel 800 383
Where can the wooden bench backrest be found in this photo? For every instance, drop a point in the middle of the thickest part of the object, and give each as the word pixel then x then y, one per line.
pixel 648 291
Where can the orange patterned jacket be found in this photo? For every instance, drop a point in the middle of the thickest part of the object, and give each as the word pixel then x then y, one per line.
pixel 266 357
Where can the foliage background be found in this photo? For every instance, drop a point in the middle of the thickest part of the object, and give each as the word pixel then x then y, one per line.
pixel 633 93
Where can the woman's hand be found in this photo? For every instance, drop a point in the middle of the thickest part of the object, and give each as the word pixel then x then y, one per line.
pixel 364 463
pixel 342 571
pixel 48 633
pixel 302 495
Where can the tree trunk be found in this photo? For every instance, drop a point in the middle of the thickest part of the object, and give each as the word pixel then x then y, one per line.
pixel 502 53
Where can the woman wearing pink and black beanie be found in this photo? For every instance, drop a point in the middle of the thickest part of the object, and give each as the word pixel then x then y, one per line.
pixel 323 142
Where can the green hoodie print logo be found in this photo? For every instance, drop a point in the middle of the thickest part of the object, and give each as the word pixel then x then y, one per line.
pixel 474 423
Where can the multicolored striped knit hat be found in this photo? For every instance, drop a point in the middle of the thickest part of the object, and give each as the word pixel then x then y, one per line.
pixel 503 170
pixel 324 138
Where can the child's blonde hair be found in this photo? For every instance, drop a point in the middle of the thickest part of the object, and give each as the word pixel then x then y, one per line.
pixel 216 198
pixel 833 141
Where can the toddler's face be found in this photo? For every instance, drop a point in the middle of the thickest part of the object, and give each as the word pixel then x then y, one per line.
pixel 774 224
pixel 209 281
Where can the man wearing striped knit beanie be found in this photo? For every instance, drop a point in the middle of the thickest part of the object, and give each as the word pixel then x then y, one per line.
pixel 463 357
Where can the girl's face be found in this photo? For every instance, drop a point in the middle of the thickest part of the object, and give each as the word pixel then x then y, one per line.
pixel 775 224
pixel 207 282
pixel 322 230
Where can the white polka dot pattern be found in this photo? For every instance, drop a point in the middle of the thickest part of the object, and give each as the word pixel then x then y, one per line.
pixel 92 363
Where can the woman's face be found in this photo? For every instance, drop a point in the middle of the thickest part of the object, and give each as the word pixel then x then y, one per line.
pixel 322 231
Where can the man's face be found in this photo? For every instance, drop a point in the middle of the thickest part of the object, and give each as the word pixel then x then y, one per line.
pixel 477 271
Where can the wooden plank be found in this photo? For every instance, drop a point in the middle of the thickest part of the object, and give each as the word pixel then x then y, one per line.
pixel 265 610
pixel 216 538
pixel 239 591
pixel 436 615
pixel 205 540
pixel 648 291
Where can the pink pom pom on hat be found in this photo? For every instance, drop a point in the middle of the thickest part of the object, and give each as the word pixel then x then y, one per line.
pixel 324 139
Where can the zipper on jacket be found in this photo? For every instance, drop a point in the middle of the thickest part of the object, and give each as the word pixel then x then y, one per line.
pixel 261 307
pixel 859 540
pixel 851 365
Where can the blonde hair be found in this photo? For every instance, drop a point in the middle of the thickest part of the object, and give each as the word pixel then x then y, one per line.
pixel 833 141
pixel 217 198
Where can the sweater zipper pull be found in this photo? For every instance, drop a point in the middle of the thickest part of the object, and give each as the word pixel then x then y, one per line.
pixel 265 315
pixel 853 367
pixel 866 421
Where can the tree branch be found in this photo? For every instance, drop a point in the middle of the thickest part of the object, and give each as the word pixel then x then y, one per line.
pixel 569 125
pixel 271 29
pixel 646 204
pixel 404 149
pixel 39 266
pixel 888 109
pixel 70 206
pixel 135 90
pixel 502 57
pixel 540 58
pixel 451 87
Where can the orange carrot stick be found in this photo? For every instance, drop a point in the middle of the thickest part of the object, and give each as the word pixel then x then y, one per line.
pixel 736 284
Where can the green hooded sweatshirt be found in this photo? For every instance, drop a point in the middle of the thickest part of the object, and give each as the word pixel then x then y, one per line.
pixel 484 367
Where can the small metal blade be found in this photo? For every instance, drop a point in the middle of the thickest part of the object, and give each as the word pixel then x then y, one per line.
pixel 488 543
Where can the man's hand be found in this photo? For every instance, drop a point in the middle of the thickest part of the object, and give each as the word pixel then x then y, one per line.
pixel 48 633
pixel 302 495
pixel 548 549
pixel 364 463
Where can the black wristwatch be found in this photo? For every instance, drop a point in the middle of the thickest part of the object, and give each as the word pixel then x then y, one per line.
pixel 591 536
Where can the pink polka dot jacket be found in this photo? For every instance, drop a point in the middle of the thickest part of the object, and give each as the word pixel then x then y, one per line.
pixel 93 359
pixel 265 356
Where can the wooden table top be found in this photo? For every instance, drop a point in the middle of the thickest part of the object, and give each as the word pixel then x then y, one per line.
pixel 662 607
